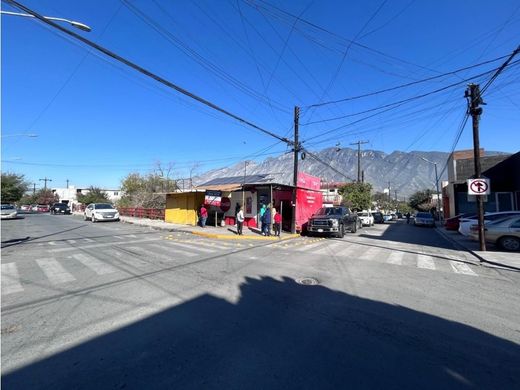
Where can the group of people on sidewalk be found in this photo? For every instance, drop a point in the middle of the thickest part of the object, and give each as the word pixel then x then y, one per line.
pixel 268 216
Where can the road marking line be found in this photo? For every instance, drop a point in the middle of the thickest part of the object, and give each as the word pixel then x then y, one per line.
pixel 10 279
pixel 461 268
pixel 71 241
pixel 51 243
pixel 94 264
pixel 88 240
pixel 176 250
pixel 206 250
pixel 54 271
pixel 425 262
pixel 119 237
pixel 369 254
pixel 102 245
pixel 395 258
pixel 132 236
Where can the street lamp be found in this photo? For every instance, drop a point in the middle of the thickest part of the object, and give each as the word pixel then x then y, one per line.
pixel 73 23
pixel 20 135
pixel 436 184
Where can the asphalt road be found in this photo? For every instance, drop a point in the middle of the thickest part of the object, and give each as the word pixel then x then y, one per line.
pixel 112 305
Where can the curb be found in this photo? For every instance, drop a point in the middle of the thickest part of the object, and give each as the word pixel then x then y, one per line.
pixel 236 237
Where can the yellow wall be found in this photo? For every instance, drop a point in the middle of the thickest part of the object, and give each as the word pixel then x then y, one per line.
pixel 181 208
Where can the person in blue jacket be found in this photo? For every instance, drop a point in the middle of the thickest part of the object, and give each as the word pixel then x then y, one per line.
pixel 266 222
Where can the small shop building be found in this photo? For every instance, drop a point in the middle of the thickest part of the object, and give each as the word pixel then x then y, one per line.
pixel 222 196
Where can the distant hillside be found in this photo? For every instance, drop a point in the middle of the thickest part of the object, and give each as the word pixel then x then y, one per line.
pixel 406 172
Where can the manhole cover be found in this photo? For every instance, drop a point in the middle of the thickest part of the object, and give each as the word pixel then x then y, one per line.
pixel 307 281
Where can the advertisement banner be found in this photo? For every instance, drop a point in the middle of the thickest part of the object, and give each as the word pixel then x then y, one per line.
pixel 213 198
pixel 308 181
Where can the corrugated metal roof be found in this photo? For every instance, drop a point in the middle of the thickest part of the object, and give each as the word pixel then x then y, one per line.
pixel 239 180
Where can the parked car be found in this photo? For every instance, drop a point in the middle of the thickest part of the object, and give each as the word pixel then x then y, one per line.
pixel 42 208
pixel 60 208
pixel 101 212
pixel 25 207
pixel 424 219
pixel 387 217
pixel 465 223
pixel 399 215
pixel 505 233
pixel 333 221
pixel 453 222
pixel 378 217
pixel 8 211
pixel 394 217
pixel 366 217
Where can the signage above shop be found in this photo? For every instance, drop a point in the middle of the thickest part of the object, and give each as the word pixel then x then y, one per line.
pixel 213 198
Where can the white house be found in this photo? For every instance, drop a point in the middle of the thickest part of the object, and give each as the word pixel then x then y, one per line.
pixel 70 194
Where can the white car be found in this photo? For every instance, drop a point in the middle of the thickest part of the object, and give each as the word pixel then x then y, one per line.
pixel 465 223
pixel 101 212
pixel 366 217
pixel 9 211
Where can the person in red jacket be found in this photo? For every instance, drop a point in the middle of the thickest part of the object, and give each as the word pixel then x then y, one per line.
pixel 203 216
pixel 277 226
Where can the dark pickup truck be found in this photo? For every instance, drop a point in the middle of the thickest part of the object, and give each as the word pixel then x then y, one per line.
pixel 333 221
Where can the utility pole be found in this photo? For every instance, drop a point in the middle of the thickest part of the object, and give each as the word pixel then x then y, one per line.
pixel 359 143
pixel 362 176
pixel 295 171
pixel 45 180
pixel 473 92
pixel 34 188
pixel 67 183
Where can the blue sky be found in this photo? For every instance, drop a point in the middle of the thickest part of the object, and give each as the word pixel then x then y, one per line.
pixel 97 120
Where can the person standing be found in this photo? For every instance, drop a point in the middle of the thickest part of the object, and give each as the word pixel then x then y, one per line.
pixel 277 223
pixel 262 223
pixel 203 216
pixel 240 220
pixel 267 221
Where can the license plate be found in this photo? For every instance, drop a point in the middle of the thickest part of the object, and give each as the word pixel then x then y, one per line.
pixel 320 230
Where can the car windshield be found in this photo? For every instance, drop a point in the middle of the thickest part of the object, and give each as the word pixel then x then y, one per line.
pixel 496 217
pixel 423 215
pixel 7 207
pixel 101 206
pixel 329 211
pixel 60 205
pixel 363 214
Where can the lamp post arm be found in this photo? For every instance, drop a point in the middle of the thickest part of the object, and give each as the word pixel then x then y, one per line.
pixel 79 25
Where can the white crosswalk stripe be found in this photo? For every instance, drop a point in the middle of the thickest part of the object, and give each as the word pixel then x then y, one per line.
pixel 94 264
pixel 119 237
pixel 193 248
pixel 370 253
pixel 425 262
pixel 461 268
pixel 89 240
pixel 55 271
pixel 395 258
pixel 169 248
pixel 10 279
pixel 71 241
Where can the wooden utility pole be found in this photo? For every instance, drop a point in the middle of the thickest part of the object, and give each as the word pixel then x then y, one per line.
pixel 295 171
pixel 359 143
pixel 45 180
pixel 473 93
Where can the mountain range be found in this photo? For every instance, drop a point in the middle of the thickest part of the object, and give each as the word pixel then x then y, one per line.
pixel 404 172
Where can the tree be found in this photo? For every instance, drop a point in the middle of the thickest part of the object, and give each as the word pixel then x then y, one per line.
pixel 357 195
pixel 45 196
pixel 421 200
pixel 94 195
pixel 147 191
pixel 13 187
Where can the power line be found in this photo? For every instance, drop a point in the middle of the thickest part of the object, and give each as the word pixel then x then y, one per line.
pixel 146 72
pixel 453 72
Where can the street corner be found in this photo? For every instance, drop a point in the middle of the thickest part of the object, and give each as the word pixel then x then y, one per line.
pixel 234 236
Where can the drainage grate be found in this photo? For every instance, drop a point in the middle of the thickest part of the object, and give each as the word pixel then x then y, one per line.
pixel 307 281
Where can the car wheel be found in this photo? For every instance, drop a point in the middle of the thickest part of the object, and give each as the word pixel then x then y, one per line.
pixel 354 227
pixel 341 232
pixel 93 219
pixel 85 217
pixel 509 243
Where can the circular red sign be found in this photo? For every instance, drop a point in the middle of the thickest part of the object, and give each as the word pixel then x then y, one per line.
pixel 225 204
pixel 479 186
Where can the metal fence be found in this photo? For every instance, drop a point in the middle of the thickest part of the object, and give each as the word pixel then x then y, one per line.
pixel 139 212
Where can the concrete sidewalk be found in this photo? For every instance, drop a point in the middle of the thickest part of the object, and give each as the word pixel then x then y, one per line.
pixel 222 233
pixel 491 258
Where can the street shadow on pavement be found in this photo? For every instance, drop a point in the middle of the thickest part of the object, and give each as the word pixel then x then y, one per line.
pixel 281 335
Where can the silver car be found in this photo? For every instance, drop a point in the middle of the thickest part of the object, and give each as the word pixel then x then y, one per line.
pixel 505 233
pixel 8 211
pixel 424 219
